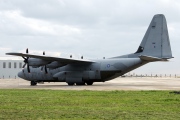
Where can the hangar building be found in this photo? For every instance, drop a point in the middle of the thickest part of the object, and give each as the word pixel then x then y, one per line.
pixel 10 68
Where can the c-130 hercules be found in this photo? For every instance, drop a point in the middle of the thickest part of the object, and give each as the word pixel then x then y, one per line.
pixel 155 46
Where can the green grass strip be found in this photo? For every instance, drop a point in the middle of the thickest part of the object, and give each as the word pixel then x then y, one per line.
pixel 76 105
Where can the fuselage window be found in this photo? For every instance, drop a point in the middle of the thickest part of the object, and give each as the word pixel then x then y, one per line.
pixel 14 64
pixel 4 64
pixel 9 64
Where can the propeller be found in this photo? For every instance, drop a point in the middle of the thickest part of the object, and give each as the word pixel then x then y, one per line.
pixel 26 61
pixel 45 68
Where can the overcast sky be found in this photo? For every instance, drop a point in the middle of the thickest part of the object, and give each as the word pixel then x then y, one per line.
pixel 92 28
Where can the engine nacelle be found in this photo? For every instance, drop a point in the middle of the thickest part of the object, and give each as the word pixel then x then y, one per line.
pixel 55 64
pixel 35 62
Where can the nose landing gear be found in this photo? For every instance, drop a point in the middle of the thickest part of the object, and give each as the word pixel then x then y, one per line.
pixel 33 83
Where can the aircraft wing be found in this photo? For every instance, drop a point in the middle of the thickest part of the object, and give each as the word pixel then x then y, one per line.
pixel 51 59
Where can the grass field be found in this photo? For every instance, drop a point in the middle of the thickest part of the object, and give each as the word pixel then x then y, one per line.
pixel 109 105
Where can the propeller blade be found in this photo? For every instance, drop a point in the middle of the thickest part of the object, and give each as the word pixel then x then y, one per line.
pixel 24 65
pixel 28 69
pixel 27 51
pixel 42 68
pixel 23 57
pixel 46 69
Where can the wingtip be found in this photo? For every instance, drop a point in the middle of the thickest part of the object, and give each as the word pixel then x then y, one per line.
pixel 9 53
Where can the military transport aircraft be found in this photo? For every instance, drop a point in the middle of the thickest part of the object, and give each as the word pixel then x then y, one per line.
pixel 155 46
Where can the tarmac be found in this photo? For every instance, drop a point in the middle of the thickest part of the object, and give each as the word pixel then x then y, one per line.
pixel 121 83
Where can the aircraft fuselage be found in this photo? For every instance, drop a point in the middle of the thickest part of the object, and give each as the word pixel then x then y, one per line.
pixel 99 71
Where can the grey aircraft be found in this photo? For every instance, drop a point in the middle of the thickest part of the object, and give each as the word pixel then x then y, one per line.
pixel 155 46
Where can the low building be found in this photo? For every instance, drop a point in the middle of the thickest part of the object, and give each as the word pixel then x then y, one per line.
pixel 10 68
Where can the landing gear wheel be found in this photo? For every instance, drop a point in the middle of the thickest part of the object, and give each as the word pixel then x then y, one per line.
pixel 89 83
pixel 33 83
pixel 80 83
pixel 70 84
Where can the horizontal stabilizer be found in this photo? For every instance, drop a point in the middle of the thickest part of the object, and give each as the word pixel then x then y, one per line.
pixel 152 59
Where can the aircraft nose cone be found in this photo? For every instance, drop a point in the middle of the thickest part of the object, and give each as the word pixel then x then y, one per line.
pixel 20 74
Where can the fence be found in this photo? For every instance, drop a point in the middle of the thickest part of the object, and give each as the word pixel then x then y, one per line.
pixel 153 75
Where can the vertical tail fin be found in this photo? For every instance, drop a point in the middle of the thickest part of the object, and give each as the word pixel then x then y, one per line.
pixel 156 40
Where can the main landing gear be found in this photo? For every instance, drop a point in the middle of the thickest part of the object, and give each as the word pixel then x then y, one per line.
pixel 33 83
pixel 80 83
pixel 89 83
pixel 70 84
